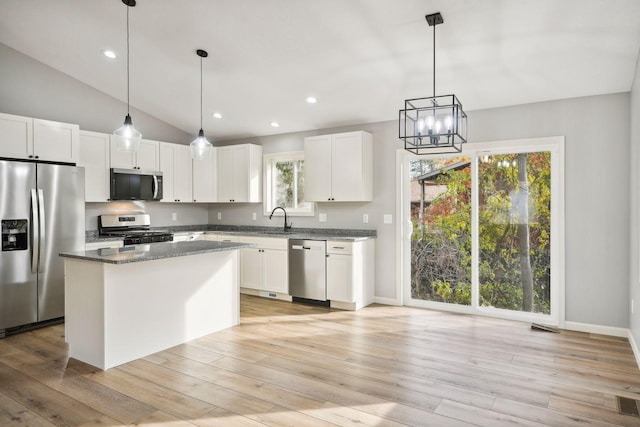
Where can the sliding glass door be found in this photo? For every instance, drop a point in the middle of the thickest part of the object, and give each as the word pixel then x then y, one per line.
pixel 441 238
pixel 514 226
pixel 486 230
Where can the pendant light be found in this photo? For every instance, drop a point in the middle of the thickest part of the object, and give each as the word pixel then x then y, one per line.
pixel 127 137
pixel 200 147
pixel 433 125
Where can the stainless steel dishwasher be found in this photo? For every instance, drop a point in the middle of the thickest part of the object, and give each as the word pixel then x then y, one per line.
pixel 307 269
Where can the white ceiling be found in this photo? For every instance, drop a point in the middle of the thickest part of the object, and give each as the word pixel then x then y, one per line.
pixel 360 58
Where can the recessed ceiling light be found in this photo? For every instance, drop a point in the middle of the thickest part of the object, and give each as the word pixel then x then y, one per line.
pixel 217 115
pixel 275 124
pixel 311 99
pixel 109 54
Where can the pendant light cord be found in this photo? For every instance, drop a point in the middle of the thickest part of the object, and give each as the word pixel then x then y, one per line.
pixel 128 59
pixel 434 61
pixel 201 92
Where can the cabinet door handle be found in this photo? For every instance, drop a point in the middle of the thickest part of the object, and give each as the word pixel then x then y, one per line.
pixel 337 247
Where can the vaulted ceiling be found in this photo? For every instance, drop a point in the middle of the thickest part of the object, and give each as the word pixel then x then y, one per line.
pixel 359 58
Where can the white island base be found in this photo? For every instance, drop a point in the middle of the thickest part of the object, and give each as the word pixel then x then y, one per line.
pixel 115 313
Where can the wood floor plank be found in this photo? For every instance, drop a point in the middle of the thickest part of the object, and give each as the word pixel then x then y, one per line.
pixel 365 402
pixel 291 364
pixel 480 416
pixel 544 415
pixel 593 412
pixel 413 382
pixel 327 411
pixel 152 394
pixel 234 401
pixel 14 414
pixel 50 404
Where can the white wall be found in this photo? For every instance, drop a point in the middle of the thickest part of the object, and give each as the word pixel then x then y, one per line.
pixel 634 232
pixel 596 131
pixel 30 88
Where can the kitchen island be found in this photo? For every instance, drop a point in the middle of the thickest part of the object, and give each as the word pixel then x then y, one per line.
pixel 125 303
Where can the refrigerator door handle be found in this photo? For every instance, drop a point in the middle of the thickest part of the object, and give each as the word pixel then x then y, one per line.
pixel 35 232
pixel 43 234
pixel 155 187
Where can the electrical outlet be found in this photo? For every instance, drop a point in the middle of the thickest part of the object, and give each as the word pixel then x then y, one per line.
pixel 322 217
pixel 388 219
pixel 174 216
pixel 632 306
pixel 254 216
pixel 219 216
pixel 365 218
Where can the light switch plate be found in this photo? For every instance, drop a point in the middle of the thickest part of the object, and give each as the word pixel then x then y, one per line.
pixel 219 216
pixel 254 216
pixel 174 216
pixel 365 218
pixel 322 217
pixel 388 219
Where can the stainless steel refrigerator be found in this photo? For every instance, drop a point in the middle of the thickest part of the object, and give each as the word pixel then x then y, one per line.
pixel 41 214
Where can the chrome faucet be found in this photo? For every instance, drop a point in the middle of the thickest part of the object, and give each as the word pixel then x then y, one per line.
pixel 286 227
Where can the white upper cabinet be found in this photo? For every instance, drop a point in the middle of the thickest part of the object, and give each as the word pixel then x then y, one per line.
pixel 28 138
pixel 205 180
pixel 94 157
pixel 240 173
pixel 147 158
pixel 55 141
pixel 175 165
pixel 339 167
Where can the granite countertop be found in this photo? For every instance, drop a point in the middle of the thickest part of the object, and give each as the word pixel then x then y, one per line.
pixel 153 251
pixel 277 232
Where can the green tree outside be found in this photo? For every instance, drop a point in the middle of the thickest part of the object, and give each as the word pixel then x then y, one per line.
pixel 514 235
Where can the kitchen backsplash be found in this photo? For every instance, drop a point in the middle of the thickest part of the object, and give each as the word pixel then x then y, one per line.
pixel 161 213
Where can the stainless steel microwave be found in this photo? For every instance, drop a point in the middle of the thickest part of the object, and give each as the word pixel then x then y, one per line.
pixel 133 184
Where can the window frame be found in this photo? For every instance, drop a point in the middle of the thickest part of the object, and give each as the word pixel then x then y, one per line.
pixel 268 161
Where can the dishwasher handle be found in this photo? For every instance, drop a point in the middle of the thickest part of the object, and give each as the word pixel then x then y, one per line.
pixel 300 247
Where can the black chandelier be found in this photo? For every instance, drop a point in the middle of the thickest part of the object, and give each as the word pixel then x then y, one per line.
pixel 437 124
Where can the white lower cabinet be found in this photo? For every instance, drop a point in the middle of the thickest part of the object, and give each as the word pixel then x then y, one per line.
pixel 265 267
pixel 350 273
pixel 340 278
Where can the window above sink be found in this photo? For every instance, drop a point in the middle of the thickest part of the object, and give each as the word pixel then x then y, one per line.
pixel 284 184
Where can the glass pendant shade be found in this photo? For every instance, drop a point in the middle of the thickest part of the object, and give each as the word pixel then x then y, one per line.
pixel 201 148
pixel 127 137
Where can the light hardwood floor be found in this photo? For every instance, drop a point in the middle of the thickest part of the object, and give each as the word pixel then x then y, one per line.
pixel 295 365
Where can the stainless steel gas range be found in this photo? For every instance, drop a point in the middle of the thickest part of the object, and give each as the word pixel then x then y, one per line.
pixel 134 229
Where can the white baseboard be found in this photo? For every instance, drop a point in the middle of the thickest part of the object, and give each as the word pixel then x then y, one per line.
pixel 634 347
pixel 596 329
pixel 386 301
